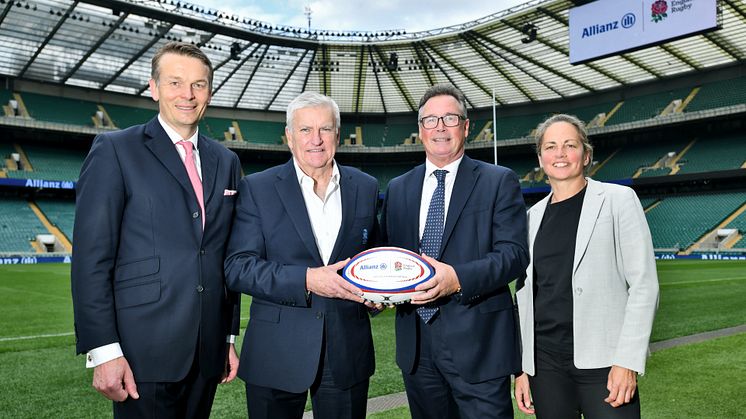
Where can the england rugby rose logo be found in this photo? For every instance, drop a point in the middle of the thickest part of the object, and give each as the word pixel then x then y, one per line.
pixel 658 10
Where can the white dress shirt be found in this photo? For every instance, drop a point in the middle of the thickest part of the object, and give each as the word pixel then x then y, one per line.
pixel 106 353
pixel 325 214
pixel 429 185
pixel 175 138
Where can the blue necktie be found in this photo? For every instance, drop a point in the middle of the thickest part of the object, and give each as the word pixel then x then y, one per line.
pixel 432 236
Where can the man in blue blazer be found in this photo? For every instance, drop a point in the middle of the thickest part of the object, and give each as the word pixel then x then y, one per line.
pixel 296 225
pixel 457 360
pixel 154 208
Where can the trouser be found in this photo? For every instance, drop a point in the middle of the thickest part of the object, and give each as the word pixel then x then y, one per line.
pixel 562 391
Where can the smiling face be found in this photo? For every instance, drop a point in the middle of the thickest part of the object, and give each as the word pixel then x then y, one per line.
pixel 313 138
pixel 182 92
pixel 443 144
pixel 561 153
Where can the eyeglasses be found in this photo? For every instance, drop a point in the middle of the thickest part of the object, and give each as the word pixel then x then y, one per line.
pixel 449 120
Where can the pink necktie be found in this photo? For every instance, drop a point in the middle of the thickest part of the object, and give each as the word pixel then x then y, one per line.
pixel 193 176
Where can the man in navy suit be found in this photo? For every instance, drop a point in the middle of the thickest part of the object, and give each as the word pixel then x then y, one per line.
pixel 154 208
pixel 296 225
pixel 458 350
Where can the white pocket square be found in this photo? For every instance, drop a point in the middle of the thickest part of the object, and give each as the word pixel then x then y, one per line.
pixel 229 192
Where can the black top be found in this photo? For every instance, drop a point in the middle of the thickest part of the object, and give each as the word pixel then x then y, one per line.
pixel 554 251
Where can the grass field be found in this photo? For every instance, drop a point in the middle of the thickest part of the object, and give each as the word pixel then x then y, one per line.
pixel 40 376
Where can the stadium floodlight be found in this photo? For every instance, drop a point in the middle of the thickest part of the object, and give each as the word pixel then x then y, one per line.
pixel 235 51
pixel 529 29
pixel 393 63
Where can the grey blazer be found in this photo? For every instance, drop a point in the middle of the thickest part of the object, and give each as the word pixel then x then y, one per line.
pixel 614 281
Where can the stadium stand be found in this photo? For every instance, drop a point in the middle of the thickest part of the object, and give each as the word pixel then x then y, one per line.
pixel 719 94
pixel 18 225
pixel 626 162
pixel 126 116
pixel 740 224
pixel 509 127
pixel 679 221
pixel 263 132
pixel 396 134
pixel 714 154
pixel 60 212
pixel 51 163
pixel 647 106
pixel 59 109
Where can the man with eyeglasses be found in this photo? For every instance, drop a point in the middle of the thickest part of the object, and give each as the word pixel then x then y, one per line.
pixel 456 342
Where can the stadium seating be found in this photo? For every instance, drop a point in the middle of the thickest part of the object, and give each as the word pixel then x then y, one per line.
pixel 625 163
pixel 711 154
pixel 520 126
pixel 51 163
pixel 18 225
pixel 718 94
pixel 587 113
pixel 679 221
pixel 215 127
pixel 645 107
pixel 394 134
pixel 740 224
pixel 59 109
pixel 127 116
pixel 263 132
pixel 59 212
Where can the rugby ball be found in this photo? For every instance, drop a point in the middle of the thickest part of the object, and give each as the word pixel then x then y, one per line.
pixel 387 275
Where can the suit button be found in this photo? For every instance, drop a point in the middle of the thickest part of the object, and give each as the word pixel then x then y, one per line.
pixel 319 314
pixel 200 288
pixel 195 214
pixel 201 251
pixel 578 291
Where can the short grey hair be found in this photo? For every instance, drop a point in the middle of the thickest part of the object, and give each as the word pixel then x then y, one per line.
pixel 443 89
pixel 310 100
pixel 573 120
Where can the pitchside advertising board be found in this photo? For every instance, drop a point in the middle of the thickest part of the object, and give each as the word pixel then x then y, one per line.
pixel 610 27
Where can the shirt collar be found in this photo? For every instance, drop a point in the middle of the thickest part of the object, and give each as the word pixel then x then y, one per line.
pixel 452 167
pixel 302 177
pixel 174 136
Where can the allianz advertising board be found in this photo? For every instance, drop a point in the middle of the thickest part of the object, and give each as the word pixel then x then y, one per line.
pixel 608 27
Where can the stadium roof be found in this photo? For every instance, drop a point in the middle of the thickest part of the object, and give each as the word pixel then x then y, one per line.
pixel 108 44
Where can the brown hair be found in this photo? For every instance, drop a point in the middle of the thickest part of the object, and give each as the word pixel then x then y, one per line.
pixel 179 48
pixel 443 89
pixel 573 120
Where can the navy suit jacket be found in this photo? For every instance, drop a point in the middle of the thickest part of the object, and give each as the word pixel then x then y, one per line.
pixel 271 247
pixel 484 240
pixel 144 274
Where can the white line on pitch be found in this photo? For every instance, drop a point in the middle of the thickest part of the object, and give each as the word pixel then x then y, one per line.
pixel 51 335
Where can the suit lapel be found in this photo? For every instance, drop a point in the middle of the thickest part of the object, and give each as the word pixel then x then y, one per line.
pixel 466 180
pixel 164 150
pixel 288 189
pixel 348 190
pixel 209 165
pixel 592 202
pixel 413 198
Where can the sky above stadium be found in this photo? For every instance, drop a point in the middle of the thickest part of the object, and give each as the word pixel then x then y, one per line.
pixel 362 15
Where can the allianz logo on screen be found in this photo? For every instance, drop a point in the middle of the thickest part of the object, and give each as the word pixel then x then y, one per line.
pixel 627 21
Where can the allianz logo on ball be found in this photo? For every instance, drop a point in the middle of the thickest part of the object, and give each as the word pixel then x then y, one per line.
pixel 387 275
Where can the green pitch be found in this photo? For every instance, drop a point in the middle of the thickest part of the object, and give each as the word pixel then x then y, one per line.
pixel 40 376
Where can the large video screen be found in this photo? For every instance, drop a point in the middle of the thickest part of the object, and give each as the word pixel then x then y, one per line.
pixel 608 27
